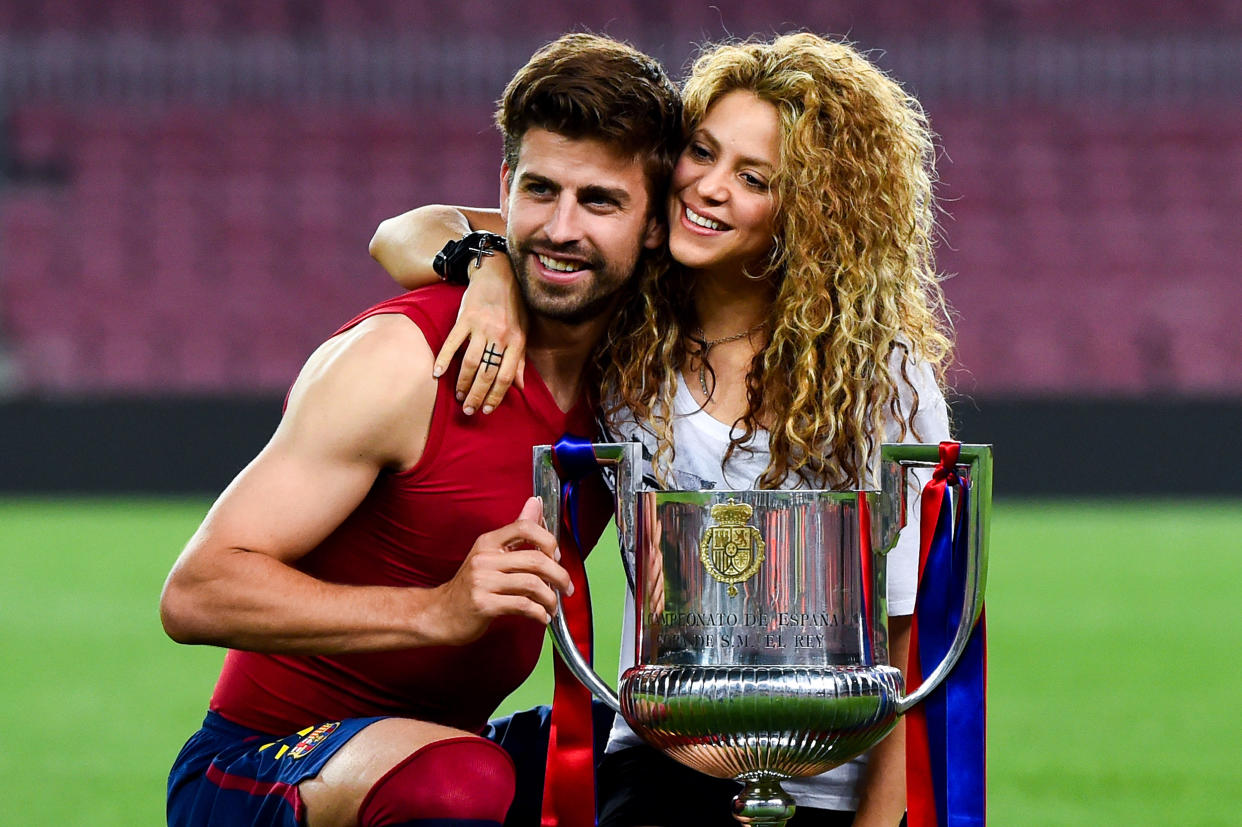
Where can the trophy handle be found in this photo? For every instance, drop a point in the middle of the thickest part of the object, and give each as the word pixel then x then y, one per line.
pixel 975 465
pixel 624 457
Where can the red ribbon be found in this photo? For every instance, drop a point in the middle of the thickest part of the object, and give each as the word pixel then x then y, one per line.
pixel 569 775
pixel 569 778
pixel 865 569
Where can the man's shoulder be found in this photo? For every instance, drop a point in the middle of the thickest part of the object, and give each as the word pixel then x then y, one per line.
pixel 381 360
pixel 386 347
pixel 433 309
pixel 368 388
pixel 382 335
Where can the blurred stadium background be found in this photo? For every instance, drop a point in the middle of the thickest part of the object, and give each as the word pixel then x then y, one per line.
pixel 186 194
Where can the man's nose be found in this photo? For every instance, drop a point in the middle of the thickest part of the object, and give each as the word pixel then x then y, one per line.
pixel 564 225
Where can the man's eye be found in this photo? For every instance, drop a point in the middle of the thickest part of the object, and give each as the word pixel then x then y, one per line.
pixel 699 152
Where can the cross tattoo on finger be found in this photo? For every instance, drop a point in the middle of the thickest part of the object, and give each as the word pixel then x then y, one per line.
pixel 492 357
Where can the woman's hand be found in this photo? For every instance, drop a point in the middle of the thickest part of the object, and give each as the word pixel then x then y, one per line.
pixel 491 326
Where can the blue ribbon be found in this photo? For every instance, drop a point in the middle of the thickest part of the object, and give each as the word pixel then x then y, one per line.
pixel 573 457
pixel 955 709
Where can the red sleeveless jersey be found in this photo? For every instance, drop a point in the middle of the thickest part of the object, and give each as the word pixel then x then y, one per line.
pixel 414 528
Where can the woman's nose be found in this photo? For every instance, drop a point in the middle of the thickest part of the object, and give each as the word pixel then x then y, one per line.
pixel 713 185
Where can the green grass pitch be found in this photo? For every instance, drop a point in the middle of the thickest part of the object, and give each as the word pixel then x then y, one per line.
pixel 1113 640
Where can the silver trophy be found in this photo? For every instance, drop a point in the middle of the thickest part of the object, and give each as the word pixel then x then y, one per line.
pixel 762 624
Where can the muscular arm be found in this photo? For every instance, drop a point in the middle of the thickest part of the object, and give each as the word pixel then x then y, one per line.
pixel 362 403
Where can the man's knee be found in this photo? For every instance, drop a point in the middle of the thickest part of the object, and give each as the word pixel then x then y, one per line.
pixel 467 778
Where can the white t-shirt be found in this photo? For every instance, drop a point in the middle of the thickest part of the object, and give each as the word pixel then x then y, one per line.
pixel 701 442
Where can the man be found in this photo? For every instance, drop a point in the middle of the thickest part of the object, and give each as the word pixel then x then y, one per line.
pixel 374 614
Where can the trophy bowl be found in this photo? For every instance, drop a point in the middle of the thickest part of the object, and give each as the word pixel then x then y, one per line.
pixel 787 721
pixel 760 618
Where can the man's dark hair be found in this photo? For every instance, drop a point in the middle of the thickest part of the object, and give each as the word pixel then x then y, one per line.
pixel 588 86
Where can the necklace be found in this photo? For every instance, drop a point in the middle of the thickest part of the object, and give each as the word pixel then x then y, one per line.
pixel 708 344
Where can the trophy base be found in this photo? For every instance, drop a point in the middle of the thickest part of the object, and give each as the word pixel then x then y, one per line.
pixel 744 722
pixel 763 803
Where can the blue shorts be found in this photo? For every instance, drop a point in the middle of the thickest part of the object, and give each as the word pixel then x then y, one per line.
pixel 230 775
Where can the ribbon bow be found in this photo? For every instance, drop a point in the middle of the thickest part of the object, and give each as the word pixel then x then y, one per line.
pixel 574 460
pixel 946 470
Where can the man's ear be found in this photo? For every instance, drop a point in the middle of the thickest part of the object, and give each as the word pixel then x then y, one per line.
pixel 505 179
pixel 655 233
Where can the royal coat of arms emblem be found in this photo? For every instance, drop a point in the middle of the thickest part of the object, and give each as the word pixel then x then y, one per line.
pixel 731 550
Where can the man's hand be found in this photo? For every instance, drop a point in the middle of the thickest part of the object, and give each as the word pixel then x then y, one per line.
pixel 509 571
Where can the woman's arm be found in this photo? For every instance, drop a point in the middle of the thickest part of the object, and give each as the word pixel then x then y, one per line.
pixel 492 317
pixel 406 244
pixel 882 794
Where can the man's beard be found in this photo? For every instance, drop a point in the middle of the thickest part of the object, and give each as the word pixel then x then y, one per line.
pixel 571 303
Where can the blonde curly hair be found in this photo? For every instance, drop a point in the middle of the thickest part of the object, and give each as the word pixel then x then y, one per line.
pixel 855 282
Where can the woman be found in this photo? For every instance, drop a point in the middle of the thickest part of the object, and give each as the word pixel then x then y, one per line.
pixel 801 325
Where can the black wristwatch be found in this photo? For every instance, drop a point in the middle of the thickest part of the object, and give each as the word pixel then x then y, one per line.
pixel 453 262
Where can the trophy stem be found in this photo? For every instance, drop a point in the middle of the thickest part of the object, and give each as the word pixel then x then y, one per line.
pixel 763 803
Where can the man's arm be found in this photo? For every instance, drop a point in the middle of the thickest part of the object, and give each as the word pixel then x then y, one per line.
pixel 362 403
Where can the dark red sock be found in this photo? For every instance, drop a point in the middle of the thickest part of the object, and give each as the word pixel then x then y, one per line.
pixel 458 781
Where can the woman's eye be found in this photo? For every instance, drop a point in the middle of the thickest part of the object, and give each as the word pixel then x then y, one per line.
pixel 754 181
pixel 699 152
